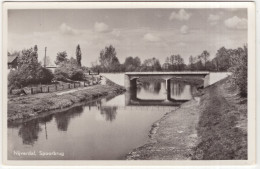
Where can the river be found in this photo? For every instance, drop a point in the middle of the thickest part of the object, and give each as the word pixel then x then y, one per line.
pixel 104 129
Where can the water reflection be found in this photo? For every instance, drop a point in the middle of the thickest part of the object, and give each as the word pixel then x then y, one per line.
pixel 29 132
pixel 153 87
pixel 170 92
pixel 62 119
pixel 177 89
pixel 109 113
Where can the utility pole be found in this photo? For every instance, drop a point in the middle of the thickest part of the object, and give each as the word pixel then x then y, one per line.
pixel 45 57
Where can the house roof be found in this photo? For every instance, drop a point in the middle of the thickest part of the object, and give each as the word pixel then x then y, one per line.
pixel 11 58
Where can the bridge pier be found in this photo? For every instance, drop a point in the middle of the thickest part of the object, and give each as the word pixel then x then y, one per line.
pixel 168 89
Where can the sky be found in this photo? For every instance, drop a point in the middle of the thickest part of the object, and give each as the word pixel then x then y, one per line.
pixel 145 33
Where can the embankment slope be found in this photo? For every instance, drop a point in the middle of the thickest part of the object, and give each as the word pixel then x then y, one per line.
pixel 211 127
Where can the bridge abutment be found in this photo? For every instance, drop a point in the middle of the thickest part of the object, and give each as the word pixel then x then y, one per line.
pixel 206 81
pixel 127 82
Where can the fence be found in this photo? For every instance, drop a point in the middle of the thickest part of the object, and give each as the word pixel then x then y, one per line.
pixel 51 88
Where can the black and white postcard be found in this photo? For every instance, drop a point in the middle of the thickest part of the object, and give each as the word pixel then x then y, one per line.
pixel 128 83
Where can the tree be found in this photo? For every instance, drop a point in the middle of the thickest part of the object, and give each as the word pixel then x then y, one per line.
pixel 29 71
pixel 35 49
pixel 204 56
pixel 132 64
pixel 222 59
pixel 175 62
pixel 198 65
pixel 108 60
pixel 151 65
pixel 69 70
pixel 238 61
pixel 192 60
pixel 78 55
pixel 61 57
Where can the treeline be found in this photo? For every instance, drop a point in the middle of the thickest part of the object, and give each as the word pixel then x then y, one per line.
pixel 233 60
pixel 109 62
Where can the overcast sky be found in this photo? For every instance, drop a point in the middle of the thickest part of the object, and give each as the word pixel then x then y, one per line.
pixel 145 33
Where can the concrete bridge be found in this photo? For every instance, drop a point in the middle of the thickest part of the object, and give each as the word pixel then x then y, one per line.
pixel 131 77
pixel 124 79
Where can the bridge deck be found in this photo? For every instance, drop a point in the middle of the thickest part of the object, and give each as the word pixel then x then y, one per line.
pixel 168 73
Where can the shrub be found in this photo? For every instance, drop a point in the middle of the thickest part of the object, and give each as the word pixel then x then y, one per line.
pixel 77 75
pixel 69 70
pixel 23 77
pixel 60 74
pixel 44 75
pixel 14 79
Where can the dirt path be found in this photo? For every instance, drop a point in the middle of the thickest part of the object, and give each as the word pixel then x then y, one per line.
pixel 212 126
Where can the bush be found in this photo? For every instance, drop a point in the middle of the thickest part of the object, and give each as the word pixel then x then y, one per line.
pixel 60 74
pixel 77 75
pixel 69 70
pixel 14 80
pixel 44 75
pixel 23 77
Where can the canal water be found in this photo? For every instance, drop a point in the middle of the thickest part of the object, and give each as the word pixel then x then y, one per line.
pixel 104 129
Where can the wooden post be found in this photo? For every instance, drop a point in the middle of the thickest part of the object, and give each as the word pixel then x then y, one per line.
pixel 41 89
pixel 69 86
pixel 74 85
pixel 31 90
pixel 56 87
pixel 48 89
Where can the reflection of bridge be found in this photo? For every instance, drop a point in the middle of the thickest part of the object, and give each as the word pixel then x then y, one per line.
pixel 142 107
pixel 131 77
pixel 132 99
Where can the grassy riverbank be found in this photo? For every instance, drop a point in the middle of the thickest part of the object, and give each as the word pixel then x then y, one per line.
pixel 213 126
pixel 29 106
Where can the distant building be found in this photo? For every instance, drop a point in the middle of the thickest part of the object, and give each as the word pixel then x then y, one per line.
pixel 12 61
